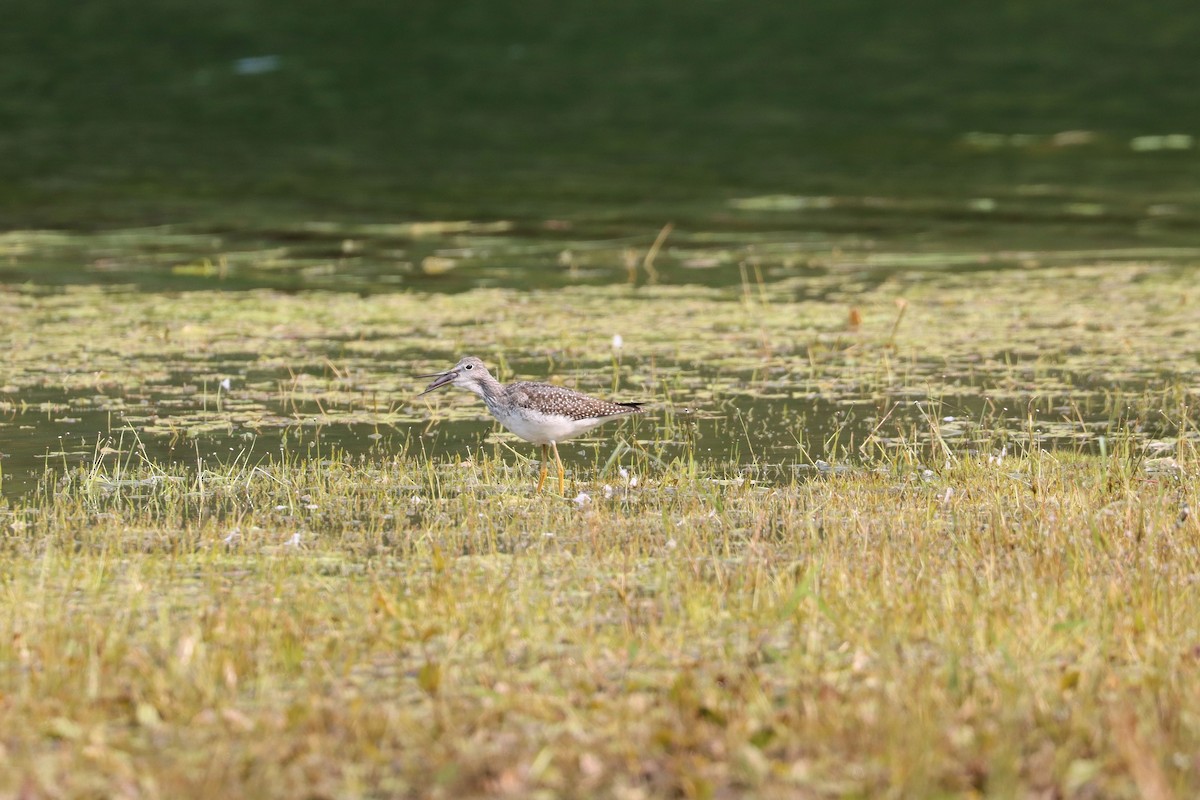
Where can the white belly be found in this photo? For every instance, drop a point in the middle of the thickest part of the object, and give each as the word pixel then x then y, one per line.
pixel 543 429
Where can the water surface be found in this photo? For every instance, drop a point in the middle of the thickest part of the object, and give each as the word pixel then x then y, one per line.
pixel 768 353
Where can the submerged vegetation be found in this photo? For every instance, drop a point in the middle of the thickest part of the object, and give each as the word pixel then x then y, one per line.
pixel 788 357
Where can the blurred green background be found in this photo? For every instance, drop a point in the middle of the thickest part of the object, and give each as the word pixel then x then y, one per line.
pixel 116 112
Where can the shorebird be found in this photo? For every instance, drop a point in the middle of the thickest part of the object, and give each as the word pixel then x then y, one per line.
pixel 537 412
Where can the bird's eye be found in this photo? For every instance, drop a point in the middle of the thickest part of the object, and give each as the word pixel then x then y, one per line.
pixel 469 366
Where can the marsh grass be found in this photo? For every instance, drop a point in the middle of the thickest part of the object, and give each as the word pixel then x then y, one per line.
pixel 345 626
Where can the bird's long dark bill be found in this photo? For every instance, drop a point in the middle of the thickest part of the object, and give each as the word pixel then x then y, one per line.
pixel 443 378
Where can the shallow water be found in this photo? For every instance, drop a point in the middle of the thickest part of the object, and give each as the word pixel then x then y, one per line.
pixel 190 349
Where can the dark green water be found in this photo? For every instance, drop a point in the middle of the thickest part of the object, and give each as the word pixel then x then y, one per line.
pixel 254 113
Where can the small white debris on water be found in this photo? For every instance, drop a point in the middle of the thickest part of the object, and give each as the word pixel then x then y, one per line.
pixel 582 499
pixel 226 384
pixel 1170 141
pixel 256 65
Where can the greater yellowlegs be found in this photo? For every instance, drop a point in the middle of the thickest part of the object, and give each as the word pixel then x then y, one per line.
pixel 537 412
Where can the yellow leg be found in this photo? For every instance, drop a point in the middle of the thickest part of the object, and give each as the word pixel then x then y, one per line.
pixel 562 484
pixel 542 477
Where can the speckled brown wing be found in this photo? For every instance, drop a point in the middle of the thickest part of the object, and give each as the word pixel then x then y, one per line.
pixel 550 399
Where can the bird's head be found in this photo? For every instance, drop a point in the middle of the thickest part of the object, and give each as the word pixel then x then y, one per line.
pixel 466 374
